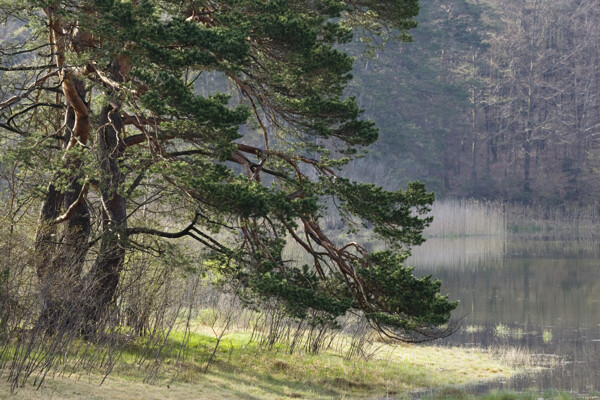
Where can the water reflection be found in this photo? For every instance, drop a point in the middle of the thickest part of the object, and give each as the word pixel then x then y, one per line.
pixel 543 295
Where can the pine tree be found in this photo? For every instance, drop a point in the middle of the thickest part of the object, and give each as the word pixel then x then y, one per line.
pixel 102 98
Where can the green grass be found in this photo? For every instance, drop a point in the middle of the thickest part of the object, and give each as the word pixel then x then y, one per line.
pixel 243 370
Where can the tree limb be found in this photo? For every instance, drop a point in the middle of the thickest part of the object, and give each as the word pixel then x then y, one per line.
pixel 30 89
pixel 168 235
pixel 25 68
pixel 73 207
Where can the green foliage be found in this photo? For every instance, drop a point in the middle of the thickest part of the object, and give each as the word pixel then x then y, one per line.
pixel 301 290
pixel 393 215
pixel 411 303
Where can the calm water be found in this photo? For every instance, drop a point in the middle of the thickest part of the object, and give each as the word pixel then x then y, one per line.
pixel 543 295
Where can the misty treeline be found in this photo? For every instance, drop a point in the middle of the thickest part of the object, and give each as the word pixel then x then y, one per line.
pixel 496 99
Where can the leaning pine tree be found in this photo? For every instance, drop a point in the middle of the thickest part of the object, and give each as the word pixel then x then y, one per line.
pixel 221 121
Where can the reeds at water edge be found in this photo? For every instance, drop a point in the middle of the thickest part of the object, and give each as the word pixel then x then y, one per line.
pixel 467 217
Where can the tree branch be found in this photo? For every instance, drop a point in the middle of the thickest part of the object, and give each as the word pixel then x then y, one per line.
pixel 54 105
pixel 30 89
pixel 73 207
pixel 16 53
pixel 135 139
pixel 25 68
pixel 168 235
pixel 189 230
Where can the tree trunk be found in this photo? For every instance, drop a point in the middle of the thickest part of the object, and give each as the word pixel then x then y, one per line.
pixel 103 278
pixel 527 166
pixel 474 149
pixel 61 249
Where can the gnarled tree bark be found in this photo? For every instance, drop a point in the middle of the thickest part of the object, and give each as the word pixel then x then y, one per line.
pixel 103 278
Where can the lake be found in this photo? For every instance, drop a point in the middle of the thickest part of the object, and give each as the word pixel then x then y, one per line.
pixel 541 294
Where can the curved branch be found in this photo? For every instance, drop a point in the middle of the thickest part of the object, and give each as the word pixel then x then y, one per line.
pixel 10 128
pixel 30 89
pixel 189 230
pixel 73 207
pixel 24 51
pixel 81 129
pixel 135 139
pixel 168 235
pixel 31 107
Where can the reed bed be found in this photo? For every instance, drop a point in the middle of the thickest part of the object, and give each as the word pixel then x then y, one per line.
pixel 470 217
pixel 459 252
pixel 467 217
pixel 561 222
pixel 466 232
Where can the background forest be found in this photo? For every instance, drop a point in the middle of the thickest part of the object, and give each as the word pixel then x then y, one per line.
pixel 495 99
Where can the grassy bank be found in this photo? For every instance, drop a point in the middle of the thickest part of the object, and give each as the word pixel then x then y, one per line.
pixel 241 369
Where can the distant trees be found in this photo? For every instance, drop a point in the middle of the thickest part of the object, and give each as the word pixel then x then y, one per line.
pixel 503 100
pixel 411 93
pixel 101 114
pixel 543 96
